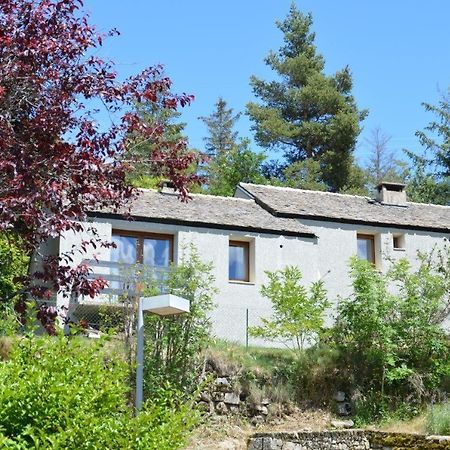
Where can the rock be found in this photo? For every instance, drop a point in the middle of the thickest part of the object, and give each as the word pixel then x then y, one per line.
pixel 261 409
pixel 291 446
pixel 265 401
pixel 342 423
pixel 343 408
pixel 256 420
pixel 221 408
pixel 221 382
pixel 205 397
pixel 231 398
pixel 255 444
pixel 218 396
pixel 339 396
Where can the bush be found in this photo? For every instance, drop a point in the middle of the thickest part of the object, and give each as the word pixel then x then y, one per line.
pixel 316 376
pixel 173 344
pixel 438 419
pixel 394 345
pixel 13 266
pixel 70 393
pixel 297 312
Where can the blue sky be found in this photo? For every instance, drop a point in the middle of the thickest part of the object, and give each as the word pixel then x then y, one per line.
pixel 398 51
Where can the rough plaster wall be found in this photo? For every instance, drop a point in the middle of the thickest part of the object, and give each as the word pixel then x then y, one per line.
pixel 337 243
pixel 323 258
pixel 270 253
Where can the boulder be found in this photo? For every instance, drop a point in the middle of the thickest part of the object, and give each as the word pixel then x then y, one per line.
pixel 342 423
pixel 221 408
pixel 339 396
pixel 231 398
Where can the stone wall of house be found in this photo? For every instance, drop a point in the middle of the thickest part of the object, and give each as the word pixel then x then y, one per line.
pixel 347 440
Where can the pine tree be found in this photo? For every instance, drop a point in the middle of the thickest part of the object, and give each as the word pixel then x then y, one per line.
pixel 436 137
pixel 306 113
pixel 231 160
pixel 221 137
pixel 145 173
pixel 429 180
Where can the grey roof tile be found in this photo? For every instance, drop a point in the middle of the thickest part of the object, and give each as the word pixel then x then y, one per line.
pixel 211 212
pixel 288 202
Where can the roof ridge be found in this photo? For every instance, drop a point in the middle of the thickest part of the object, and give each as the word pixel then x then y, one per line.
pixel 287 188
pixel 219 197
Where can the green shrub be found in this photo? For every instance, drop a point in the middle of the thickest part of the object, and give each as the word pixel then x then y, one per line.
pixel 316 375
pixel 438 419
pixel 173 344
pixel 393 345
pixel 69 393
pixel 13 266
pixel 297 312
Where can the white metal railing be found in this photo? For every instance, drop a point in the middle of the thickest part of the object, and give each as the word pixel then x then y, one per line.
pixel 127 279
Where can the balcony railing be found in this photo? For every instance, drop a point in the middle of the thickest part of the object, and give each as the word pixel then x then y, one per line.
pixel 126 280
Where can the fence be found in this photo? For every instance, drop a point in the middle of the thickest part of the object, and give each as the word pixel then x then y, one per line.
pixel 126 283
pixel 233 322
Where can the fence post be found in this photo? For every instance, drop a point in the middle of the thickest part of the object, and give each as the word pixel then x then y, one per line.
pixel 246 328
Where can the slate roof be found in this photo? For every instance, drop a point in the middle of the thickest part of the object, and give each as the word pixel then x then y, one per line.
pixel 298 203
pixel 211 212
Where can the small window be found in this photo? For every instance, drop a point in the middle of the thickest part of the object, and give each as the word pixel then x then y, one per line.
pixel 238 262
pixel 366 247
pixel 398 241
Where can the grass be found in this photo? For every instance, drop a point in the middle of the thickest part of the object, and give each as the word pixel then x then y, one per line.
pixel 438 419
pixel 414 425
pixel 261 372
pixel 261 360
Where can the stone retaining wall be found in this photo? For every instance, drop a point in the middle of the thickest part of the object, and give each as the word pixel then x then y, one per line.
pixel 346 440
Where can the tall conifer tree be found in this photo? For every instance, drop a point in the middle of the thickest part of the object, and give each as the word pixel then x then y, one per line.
pixel 304 112
pixel 221 137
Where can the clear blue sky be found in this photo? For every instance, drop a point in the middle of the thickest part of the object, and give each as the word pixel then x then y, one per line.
pixel 398 51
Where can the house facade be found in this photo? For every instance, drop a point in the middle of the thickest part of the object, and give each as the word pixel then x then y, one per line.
pixel 265 228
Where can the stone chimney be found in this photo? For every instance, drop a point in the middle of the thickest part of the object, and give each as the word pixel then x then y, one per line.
pixel 391 193
pixel 166 187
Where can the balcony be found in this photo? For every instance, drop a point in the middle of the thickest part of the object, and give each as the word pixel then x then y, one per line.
pixel 125 281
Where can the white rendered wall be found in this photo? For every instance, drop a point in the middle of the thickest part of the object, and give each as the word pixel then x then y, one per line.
pixel 324 258
pixel 268 252
pixel 337 243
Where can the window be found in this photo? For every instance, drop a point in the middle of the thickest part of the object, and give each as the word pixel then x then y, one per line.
pixel 366 247
pixel 132 247
pixel 398 241
pixel 238 262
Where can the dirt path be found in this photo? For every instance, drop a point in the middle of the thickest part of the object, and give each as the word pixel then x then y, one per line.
pixel 231 433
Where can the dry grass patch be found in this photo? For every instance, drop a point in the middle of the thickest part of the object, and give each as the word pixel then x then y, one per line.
pixel 231 433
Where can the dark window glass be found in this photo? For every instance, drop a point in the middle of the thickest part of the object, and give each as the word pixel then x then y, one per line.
pixel 366 248
pixel 238 263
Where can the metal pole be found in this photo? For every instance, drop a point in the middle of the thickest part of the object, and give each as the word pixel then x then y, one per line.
pixel 140 358
pixel 246 329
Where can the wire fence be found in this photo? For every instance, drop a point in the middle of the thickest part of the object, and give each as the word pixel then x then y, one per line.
pixel 112 309
pixel 234 323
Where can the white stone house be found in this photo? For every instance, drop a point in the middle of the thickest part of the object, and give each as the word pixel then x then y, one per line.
pixel 265 228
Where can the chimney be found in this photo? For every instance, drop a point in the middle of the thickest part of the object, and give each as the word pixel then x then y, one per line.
pixel 391 193
pixel 166 187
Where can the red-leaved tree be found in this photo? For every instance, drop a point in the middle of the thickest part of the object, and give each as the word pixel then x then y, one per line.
pixel 56 162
